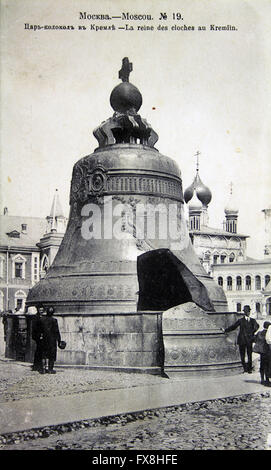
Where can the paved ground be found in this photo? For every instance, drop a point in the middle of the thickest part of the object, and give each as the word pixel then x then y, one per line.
pixel 222 413
pixel 18 381
pixel 214 425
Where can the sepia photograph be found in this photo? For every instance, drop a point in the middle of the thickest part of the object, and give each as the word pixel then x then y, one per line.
pixel 135 229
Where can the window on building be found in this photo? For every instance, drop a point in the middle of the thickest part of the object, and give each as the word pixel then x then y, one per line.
pixel 19 303
pixel 268 306
pixel 266 280
pixel 238 307
pixel 220 281
pixel 222 258
pixel 19 270
pixel 14 234
pixel 35 268
pixel 44 263
pixel 1 301
pixel 215 259
pixel 231 258
pixel 19 299
pixel 258 307
pixel 238 283
pixel 1 266
pixel 229 283
pixel 195 223
pixel 18 267
pixel 207 256
pixel 258 283
pixel 248 283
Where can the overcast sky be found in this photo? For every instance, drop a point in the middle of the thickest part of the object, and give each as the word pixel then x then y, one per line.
pixel 206 91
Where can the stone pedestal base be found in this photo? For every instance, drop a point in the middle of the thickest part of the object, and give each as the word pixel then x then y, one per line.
pixel 117 340
pixel 184 340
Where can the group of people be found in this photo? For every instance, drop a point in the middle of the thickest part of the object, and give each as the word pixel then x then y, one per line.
pixel 45 332
pixel 251 340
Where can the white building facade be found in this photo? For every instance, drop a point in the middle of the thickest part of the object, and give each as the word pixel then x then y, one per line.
pixel 28 246
pixel 245 281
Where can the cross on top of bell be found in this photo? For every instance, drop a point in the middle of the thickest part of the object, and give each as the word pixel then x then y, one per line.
pixel 126 69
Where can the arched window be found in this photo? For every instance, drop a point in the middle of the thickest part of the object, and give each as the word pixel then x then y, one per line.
pixel 44 263
pixel 238 307
pixel 258 283
pixel 19 299
pixel 266 280
pixel 44 266
pixel 268 306
pixel 248 283
pixel 229 283
pixel 238 283
pixel 231 257
pixel 220 281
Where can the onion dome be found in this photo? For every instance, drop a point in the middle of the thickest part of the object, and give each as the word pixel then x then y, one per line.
pixel 231 210
pixel 231 206
pixel 194 204
pixel 203 192
pixel 188 193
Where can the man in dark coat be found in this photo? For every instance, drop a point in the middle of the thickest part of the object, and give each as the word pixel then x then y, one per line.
pixel 248 327
pixel 265 356
pixel 51 338
pixel 37 337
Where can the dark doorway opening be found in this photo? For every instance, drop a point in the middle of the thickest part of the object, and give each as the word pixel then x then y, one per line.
pixel 165 281
pixel 160 284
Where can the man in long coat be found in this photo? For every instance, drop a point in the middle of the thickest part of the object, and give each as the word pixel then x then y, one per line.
pixel 248 327
pixel 51 339
pixel 37 337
